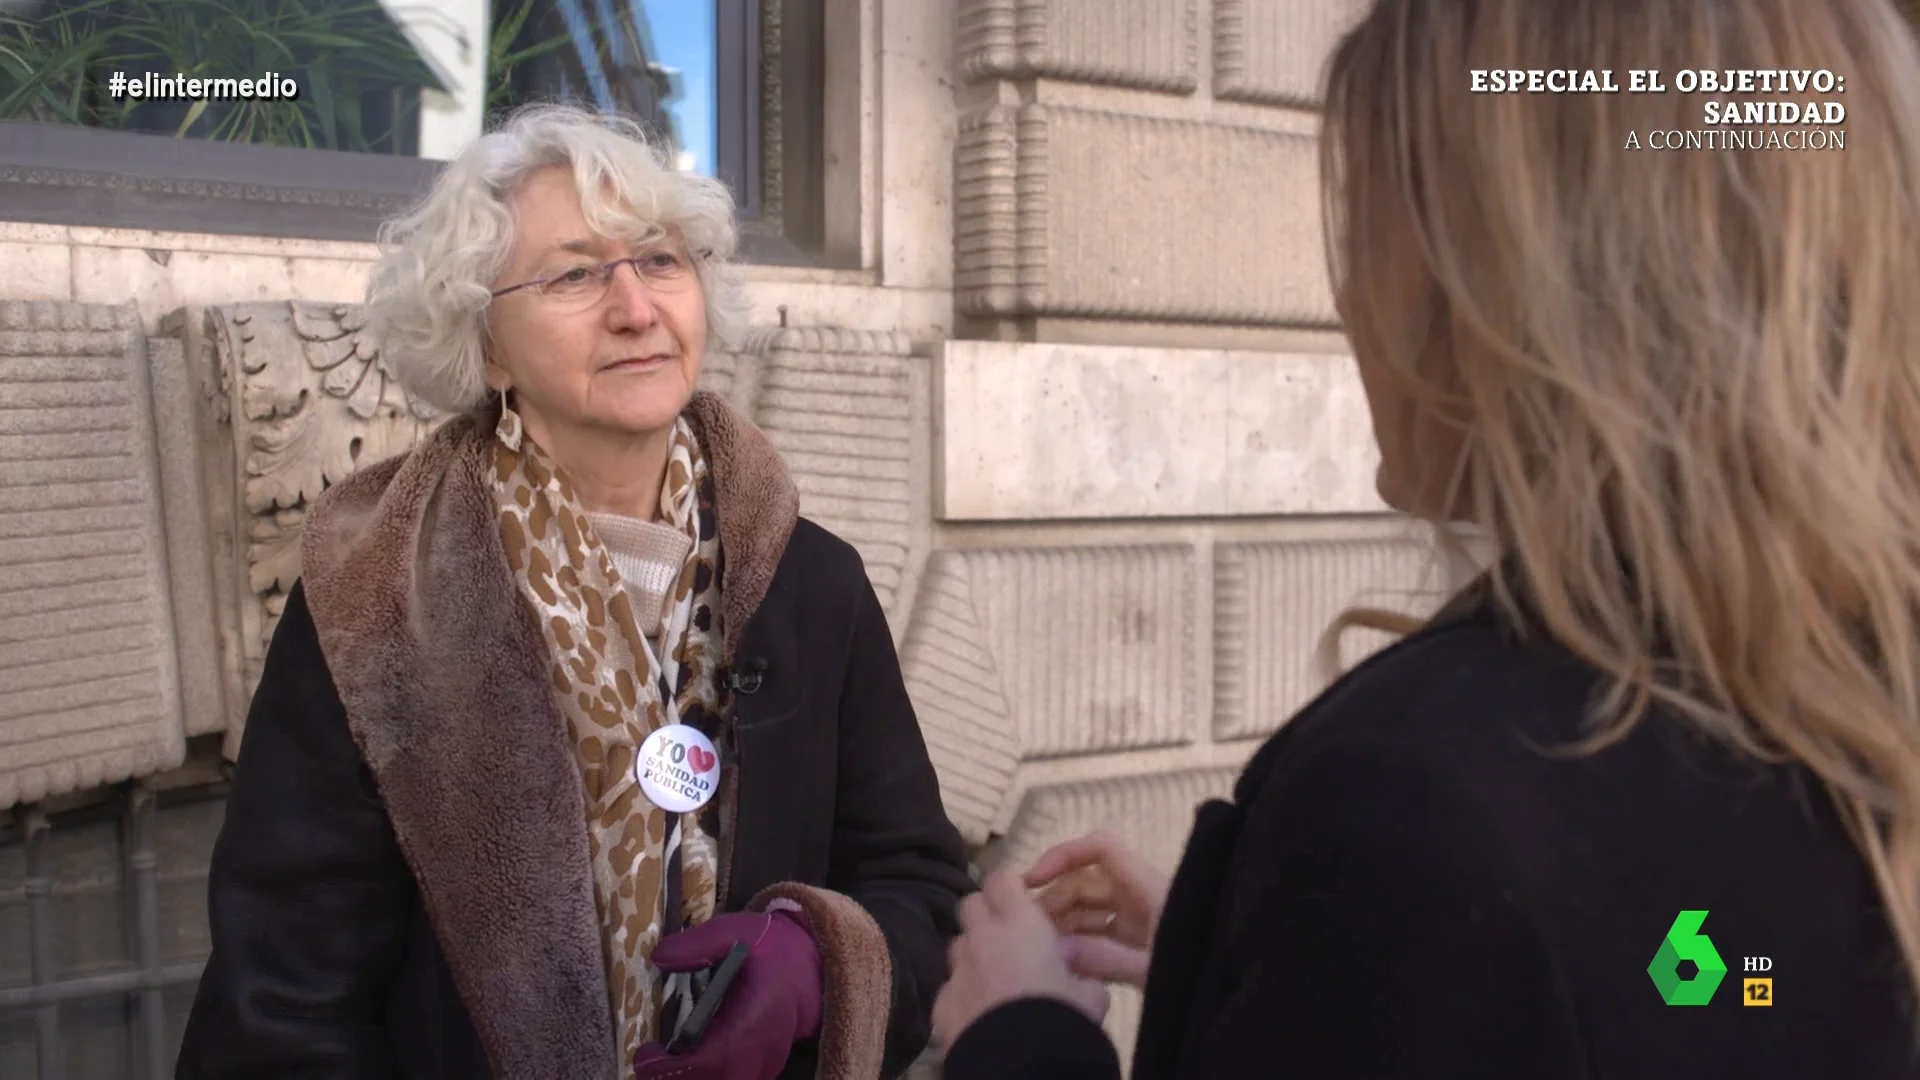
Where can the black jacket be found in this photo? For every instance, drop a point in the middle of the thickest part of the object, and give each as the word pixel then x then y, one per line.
pixel 408 897
pixel 1405 884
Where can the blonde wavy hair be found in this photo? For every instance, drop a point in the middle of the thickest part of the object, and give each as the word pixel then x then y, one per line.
pixel 1698 364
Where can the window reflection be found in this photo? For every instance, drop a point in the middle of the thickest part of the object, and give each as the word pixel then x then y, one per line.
pixel 654 61
pixel 688 51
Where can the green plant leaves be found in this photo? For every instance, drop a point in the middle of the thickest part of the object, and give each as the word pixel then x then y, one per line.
pixel 357 71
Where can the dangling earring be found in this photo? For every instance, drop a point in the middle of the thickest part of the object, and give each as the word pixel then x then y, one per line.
pixel 510 428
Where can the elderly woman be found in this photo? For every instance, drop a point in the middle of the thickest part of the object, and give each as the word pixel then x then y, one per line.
pixel 1677 724
pixel 569 701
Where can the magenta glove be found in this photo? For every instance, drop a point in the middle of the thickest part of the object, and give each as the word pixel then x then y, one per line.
pixel 774 1001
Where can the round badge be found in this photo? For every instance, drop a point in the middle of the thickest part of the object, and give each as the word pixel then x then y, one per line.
pixel 678 768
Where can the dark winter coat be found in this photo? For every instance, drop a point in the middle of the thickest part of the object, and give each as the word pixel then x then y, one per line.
pixel 1413 880
pixel 402 886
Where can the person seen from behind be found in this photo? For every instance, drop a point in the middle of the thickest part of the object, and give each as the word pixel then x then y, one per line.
pixel 1676 395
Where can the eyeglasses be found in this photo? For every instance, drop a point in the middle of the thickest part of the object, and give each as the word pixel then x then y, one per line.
pixel 663 270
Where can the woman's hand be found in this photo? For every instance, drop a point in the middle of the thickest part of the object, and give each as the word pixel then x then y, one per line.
pixel 774 1002
pixel 1007 950
pixel 1107 900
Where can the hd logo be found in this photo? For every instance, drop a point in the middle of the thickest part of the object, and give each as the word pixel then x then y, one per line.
pixel 1685 942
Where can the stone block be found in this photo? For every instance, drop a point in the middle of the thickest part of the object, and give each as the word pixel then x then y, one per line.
pixel 1078 212
pixel 1273 601
pixel 90 676
pixel 33 232
pixel 177 399
pixel 1038 432
pixel 160 280
pixel 338 281
pixel 1141 44
pixel 36 271
pixel 920 313
pixel 841 407
pixel 303 400
pixel 914 183
pixel 279 247
pixel 964 713
pixel 1274 54
pixel 1014 655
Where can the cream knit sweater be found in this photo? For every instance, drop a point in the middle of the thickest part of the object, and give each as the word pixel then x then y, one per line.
pixel 648 555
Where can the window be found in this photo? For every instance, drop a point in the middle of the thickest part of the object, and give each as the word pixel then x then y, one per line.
pixel 387 89
pixel 103 928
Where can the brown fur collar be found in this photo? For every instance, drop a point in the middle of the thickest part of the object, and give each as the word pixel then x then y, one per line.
pixel 444 678
pixel 758 506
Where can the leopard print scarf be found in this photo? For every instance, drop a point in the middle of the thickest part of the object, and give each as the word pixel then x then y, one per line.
pixel 608 684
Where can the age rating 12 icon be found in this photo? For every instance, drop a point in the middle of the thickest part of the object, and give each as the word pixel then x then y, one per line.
pixel 1757 991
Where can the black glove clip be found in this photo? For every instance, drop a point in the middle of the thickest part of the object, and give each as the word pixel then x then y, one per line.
pixel 709 999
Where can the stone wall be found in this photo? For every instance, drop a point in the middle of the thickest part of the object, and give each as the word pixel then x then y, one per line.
pixel 1155 471
pixel 104 641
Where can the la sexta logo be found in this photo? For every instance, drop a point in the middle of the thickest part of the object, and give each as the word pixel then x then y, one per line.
pixel 1684 941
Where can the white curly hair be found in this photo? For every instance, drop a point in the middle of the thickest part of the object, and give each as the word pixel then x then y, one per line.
pixel 429 293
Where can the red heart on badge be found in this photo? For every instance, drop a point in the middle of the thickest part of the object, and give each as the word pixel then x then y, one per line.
pixel 701 760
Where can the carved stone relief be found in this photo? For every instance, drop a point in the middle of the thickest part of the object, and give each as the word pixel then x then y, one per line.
pixel 845 408
pixel 1027 654
pixel 1265 666
pixel 304 399
pixel 105 649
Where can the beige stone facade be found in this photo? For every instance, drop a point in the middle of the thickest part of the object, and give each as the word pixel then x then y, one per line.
pixel 1082 406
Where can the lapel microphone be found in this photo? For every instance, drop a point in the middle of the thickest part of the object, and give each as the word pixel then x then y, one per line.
pixel 746 679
